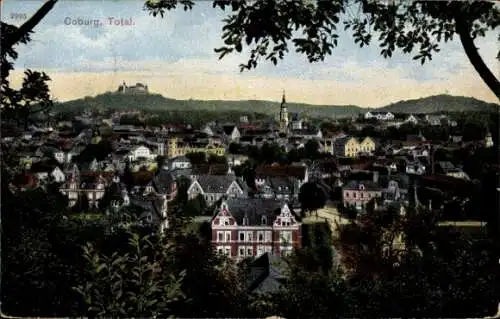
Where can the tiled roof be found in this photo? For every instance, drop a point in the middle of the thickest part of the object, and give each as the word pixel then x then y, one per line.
pixel 265 274
pixel 163 181
pixel 254 209
pixel 215 183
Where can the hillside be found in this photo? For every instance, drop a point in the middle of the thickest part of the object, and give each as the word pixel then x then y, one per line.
pixel 441 103
pixel 156 102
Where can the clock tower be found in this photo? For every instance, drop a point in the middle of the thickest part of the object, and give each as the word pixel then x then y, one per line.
pixel 283 119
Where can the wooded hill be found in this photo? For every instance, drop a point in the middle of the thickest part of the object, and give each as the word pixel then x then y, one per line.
pixel 156 102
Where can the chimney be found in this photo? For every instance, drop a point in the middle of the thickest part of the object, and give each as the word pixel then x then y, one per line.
pixel 375 177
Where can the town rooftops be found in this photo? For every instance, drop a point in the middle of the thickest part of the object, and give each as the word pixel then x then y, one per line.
pixel 281 170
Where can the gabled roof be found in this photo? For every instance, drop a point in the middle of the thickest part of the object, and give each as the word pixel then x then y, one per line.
pixel 215 183
pixel 254 209
pixel 149 205
pixel 266 274
pixel 163 181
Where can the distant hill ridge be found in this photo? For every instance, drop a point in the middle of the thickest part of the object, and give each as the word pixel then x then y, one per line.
pixel 157 102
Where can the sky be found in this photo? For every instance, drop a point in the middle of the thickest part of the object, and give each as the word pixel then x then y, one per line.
pixel 174 56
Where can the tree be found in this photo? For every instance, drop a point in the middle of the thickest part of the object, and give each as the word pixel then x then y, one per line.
pixel 268 28
pixel 36 279
pixel 211 282
pixel 183 184
pixel 312 197
pixel 215 159
pixel 196 206
pixel 139 283
pixel 197 158
pixel 128 176
pixel 311 149
pixel 33 97
pixel 160 161
pixel 234 148
pixel 310 292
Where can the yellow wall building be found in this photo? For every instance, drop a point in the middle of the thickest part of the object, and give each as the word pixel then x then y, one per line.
pixel 174 149
pixel 352 146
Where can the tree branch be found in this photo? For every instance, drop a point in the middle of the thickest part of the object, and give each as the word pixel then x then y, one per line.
pixel 474 57
pixel 29 25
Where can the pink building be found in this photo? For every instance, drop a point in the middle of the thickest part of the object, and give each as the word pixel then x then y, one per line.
pixel 358 194
pixel 251 227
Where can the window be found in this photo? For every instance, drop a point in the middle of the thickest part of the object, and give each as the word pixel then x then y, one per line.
pixel 241 251
pixel 245 221
pixel 242 236
pixel 226 222
pixel 149 218
pixel 228 251
pixel 249 251
pixel 286 237
pixel 346 195
pixel 264 220
pixel 260 237
pixel 220 236
pixel 228 236
pixel 220 250
pixel 249 236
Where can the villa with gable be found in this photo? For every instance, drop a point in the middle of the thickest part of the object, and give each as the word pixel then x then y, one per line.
pixel 251 227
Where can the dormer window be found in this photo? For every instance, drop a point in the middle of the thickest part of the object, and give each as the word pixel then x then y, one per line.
pixel 264 220
pixel 245 221
pixel 361 187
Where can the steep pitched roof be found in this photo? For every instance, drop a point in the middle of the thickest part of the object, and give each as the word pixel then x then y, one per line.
pixel 215 183
pixel 265 274
pixel 254 209
pixel 163 181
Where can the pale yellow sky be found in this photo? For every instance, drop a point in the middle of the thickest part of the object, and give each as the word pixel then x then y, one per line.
pixel 199 79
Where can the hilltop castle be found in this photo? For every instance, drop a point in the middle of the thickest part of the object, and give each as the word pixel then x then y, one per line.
pixel 138 88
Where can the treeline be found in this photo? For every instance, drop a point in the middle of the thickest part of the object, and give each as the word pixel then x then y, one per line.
pixel 194 118
pixel 270 153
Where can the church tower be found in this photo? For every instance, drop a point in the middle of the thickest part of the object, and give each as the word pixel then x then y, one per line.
pixel 283 115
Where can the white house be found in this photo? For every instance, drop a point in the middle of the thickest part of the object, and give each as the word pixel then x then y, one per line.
pixel 411 119
pixel 140 152
pixel 58 175
pixel 60 156
pixel 231 132
pixel 179 162
pixel 381 116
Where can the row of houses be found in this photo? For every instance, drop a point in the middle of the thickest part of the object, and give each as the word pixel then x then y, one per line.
pixel 399 119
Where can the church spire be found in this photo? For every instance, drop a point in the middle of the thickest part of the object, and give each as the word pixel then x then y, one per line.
pixel 283 100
